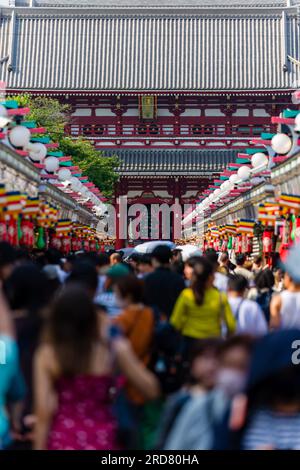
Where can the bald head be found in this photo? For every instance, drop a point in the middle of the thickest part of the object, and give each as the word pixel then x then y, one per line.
pixel 115 258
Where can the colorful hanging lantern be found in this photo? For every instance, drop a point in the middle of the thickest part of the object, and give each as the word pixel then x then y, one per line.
pixel 267 242
pixel 238 244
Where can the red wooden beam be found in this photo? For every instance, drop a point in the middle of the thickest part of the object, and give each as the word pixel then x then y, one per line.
pixel 261 142
pixel 281 120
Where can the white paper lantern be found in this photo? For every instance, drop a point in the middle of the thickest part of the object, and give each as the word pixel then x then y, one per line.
pixel 84 190
pixel 259 159
pixel 210 197
pixel 217 192
pixel 297 123
pixel 281 143
pixel 19 136
pixel 51 164
pixel 64 174
pixel 244 172
pixel 37 152
pixel 233 178
pixel 226 185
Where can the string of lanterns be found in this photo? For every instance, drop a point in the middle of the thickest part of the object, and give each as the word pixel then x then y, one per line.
pixel 259 164
pixel 19 135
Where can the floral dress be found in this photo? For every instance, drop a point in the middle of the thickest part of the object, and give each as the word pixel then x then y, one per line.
pixel 84 419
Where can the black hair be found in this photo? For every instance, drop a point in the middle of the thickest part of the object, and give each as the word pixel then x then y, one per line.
pixel 162 254
pixel 237 283
pixel 240 259
pixel 135 257
pixel 212 256
pixel 280 387
pixel 84 273
pixel 97 259
pixel 145 259
pixel 73 330
pixel 257 259
pixel 203 346
pixel 203 269
pixel 7 254
pixel 53 256
pixel 27 288
pixel 264 279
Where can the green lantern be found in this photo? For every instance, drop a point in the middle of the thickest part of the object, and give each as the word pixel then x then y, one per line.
pixel 40 242
pixel 293 231
pixel 19 230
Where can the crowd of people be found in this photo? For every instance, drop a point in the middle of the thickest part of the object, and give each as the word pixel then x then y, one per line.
pixel 107 352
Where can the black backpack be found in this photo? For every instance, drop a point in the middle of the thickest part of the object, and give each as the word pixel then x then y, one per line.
pixel 168 359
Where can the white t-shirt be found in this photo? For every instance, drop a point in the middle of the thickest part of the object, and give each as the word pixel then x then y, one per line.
pixel 290 309
pixel 249 316
pixel 221 282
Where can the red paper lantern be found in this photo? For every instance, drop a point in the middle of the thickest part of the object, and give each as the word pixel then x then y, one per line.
pixel 267 242
pixel 3 231
pixel 12 231
pixel 66 245
pixel 238 244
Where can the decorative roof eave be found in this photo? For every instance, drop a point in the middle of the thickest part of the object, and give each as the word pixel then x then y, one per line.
pixel 245 92
pixel 166 174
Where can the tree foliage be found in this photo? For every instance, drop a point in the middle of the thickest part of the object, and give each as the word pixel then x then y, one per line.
pixel 54 116
pixel 46 112
pixel 99 168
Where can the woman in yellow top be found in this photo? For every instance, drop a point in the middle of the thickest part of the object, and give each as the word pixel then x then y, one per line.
pixel 201 309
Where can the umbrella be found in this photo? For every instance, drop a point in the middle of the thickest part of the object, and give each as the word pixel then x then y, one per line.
pixel 189 250
pixel 148 247
pixel 126 251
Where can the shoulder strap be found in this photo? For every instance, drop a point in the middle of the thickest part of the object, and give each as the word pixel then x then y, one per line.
pixel 237 313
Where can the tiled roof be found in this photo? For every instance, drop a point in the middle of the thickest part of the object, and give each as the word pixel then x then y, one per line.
pixel 130 51
pixel 172 162
pixel 139 3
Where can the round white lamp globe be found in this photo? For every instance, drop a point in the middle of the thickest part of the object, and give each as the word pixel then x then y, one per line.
pixel 226 185
pixel 37 152
pixel 19 136
pixel 233 178
pixel 281 143
pixel 64 174
pixel 51 164
pixel 244 172
pixel 259 159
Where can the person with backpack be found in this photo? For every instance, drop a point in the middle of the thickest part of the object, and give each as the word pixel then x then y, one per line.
pixel 201 310
pixel 248 314
pixel 202 378
pixel 162 286
pixel 263 291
